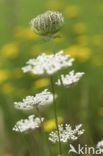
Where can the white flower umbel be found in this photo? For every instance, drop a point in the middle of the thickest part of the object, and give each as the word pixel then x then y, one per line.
pixel 25 125
pixel 40 99
pixel 100 145
pixel 48 64
pixel 66 133
pixel 69 79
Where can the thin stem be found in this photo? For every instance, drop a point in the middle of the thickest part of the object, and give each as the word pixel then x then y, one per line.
pixel 53 47
pixel 55 113
pixel 61 81
pixel 42 132
pixel 39 115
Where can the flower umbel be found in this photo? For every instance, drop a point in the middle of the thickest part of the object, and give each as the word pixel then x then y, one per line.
pixel 40 99
pixel 70 78
pixel 25 125
pixel 47 23
pixel 48 64
pixel 100 145
pixel 66 133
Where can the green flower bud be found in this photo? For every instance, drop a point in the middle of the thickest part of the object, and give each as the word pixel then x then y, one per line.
pixel 47 23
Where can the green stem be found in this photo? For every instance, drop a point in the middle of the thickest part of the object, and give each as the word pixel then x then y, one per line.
pixel 61 81
pixel 39 115
pixel 55 113
pixel 42 132
pixel 53 48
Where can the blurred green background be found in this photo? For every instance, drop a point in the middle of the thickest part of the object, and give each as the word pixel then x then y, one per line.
pixel 82 38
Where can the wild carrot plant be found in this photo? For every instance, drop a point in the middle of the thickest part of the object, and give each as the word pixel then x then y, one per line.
pixel 47 25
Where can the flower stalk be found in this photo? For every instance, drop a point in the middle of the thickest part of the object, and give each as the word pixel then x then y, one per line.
pixel 55 113
pixel 42 131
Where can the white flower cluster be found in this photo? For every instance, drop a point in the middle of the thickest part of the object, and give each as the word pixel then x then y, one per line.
pixel 48 64
pixel 100 145
pixel 40 99
pixel 69 79
pixel 66 133
pixel 26 125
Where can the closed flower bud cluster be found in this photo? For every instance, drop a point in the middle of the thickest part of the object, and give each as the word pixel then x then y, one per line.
pixel 47 23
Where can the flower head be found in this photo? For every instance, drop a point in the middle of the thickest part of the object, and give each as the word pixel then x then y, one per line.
pixel 70 78
pixel 40 99
pixel 26 125
pixel 66 133
pixel 48 64
pixel 100 145
pixel 47 23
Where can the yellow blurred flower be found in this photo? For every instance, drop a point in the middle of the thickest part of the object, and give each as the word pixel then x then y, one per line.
pixel 50 124
pixel 83 40
pixel 25 34
pixel 44 82
pixel 79 28
pixel 79 52
pixel 97 40
pixel 3 76
pixel 10 50
pixel 72 11
pixel 54 4
pixel 7 88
